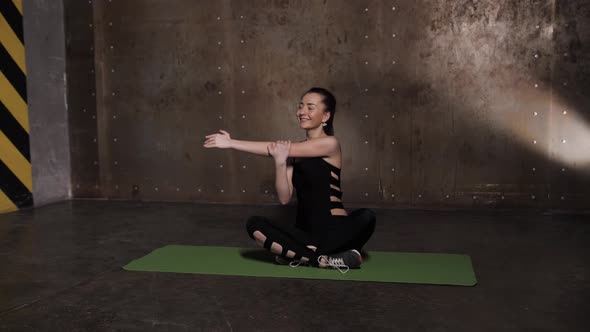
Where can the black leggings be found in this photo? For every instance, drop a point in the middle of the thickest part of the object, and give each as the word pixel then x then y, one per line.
pixel 352 233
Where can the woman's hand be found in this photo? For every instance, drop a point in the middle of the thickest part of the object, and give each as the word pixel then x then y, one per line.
pixel 279 150
pixel 222 141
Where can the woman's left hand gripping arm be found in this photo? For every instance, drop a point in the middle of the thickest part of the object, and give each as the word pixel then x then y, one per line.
pixel 280 152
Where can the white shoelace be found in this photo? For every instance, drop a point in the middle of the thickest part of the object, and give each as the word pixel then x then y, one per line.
pixel 286 261
pixel 295 263
pixel 337 263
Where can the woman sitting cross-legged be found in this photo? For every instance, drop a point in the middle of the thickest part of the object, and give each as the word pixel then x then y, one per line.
pixel 324 234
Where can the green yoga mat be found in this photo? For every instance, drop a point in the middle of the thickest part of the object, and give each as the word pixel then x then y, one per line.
pixel 419 268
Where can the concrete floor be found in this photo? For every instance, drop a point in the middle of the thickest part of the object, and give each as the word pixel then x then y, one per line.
pixel 61 271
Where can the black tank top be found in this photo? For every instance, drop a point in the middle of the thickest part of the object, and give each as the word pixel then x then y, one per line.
pixel 312 179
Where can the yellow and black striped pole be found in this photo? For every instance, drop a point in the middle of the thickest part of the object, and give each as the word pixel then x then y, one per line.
pixel 16 183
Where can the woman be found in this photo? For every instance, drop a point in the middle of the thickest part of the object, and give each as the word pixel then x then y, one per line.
pixel 324 235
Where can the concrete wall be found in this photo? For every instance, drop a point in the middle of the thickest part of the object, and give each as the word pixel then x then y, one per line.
pixel 43 25
pixel 441 104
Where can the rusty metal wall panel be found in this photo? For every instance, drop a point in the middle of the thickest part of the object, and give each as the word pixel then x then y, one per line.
pixel 477 59
pixel 81 98
pixel 570 106
pixel 440 104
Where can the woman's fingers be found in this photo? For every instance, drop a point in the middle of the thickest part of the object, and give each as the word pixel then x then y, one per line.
pixel 217 134
pixel 284 143
pixel 210 141
pixel 271 149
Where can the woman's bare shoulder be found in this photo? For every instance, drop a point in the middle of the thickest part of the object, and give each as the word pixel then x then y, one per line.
pixel 331 139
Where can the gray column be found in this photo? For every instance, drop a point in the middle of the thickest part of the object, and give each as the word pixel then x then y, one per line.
pixel 43 24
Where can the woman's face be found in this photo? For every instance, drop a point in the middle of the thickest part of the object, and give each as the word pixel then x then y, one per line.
pixel 311 111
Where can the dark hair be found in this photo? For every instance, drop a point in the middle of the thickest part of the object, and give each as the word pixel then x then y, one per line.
pixel 330 102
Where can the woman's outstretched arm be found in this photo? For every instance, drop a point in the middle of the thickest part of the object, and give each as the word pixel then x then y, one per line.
pixel 259 148
pixel 320 147
pixel 223 140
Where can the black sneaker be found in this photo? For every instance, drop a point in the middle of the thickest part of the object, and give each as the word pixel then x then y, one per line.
pixel 343 261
